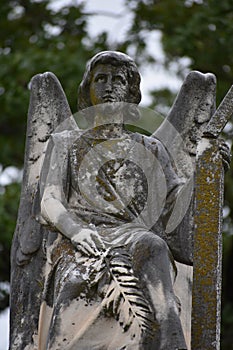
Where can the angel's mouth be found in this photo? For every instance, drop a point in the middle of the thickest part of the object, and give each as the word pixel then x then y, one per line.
pixel 109 98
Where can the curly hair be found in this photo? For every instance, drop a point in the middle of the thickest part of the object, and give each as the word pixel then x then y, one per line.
pixel 117 59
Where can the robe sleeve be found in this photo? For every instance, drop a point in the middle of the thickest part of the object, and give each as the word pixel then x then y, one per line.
pixel 54 189
pixel 177 213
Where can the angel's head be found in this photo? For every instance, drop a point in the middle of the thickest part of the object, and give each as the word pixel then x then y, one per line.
pixel 109 65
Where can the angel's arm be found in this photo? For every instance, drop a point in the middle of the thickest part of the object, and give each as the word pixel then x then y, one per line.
pixel 55 213
pixel 54 206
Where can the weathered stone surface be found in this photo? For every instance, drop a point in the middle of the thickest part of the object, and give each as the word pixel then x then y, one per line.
pixel 206 310
pixel 221 116
pixel 180 133
pixel 48 107
pixel 207 248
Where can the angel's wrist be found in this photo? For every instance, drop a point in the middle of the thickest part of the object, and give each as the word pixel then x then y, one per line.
pixel 75 238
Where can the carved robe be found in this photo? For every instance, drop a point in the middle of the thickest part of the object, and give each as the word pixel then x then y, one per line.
pixel 124 186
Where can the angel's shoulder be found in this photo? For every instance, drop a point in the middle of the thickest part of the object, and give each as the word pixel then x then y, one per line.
pixel 65 137
pixel 150 142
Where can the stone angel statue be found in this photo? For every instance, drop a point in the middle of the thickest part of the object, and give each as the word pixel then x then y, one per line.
pixel 106 214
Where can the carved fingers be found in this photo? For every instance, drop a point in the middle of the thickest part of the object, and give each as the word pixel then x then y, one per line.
pixel 88 242
pixel 225 153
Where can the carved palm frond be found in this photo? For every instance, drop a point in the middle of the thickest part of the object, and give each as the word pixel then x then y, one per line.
pixel 122 295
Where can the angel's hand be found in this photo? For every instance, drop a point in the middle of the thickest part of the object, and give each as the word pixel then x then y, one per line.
pixel 88 242
pixel 225 153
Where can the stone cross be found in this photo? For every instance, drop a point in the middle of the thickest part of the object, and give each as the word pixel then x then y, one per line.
pixel 207 266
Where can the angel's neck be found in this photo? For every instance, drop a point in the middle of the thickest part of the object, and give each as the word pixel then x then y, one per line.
pixel 110 119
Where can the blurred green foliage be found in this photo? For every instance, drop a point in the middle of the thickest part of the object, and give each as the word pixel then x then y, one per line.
pixel 198 29
pixel 9 201
pixel 35 38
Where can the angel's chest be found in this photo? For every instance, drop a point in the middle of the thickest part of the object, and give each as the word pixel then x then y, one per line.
pixel 108 172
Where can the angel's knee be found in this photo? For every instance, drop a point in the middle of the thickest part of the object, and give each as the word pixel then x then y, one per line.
pixel 149 247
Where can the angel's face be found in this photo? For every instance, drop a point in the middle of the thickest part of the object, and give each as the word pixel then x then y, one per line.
pixel 108 84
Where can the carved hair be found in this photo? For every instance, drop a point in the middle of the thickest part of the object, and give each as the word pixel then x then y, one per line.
pixel 117 59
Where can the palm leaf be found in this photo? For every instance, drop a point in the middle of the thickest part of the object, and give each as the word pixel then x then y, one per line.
pixel 121 292
pixel 124 298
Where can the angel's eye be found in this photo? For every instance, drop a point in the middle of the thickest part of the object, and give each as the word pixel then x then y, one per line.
pixel 100 79
pixel 119 79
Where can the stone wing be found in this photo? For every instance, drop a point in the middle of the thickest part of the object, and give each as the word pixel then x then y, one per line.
pixel 180 133
pixel 188 117
pixel 47 110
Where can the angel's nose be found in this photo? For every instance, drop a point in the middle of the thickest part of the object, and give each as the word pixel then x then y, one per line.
pixel 108 86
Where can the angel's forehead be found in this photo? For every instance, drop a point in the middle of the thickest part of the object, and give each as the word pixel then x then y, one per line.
pixel 108 68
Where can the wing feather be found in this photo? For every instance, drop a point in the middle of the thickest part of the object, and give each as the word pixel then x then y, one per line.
pixel 48 108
